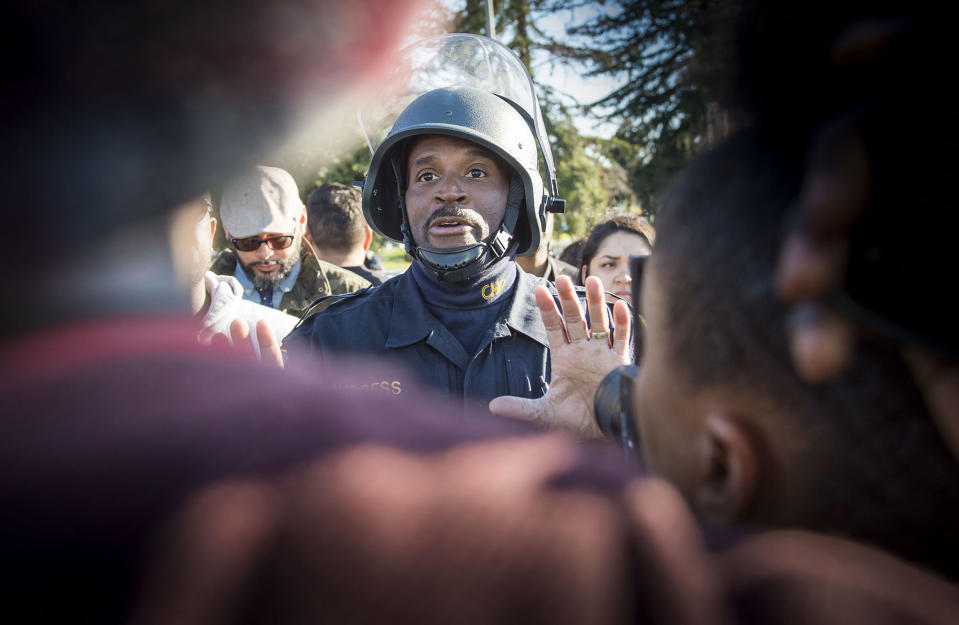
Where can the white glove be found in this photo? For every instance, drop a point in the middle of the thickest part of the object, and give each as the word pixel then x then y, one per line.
pixel 227 304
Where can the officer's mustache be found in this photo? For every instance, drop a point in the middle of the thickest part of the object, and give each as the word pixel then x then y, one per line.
pixel 453 210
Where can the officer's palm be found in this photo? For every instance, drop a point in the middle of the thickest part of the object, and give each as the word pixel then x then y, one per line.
pixel 580 359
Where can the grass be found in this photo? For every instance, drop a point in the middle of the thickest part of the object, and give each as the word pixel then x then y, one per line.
pixel 394 258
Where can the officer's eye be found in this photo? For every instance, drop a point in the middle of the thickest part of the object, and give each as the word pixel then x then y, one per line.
pixel 476 172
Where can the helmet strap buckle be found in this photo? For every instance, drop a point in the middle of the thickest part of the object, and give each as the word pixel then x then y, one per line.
pixel 501 242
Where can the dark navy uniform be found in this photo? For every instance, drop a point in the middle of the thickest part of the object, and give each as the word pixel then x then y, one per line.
pixel 394 320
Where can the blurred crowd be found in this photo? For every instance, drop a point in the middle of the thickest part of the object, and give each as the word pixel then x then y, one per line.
pixel 282 431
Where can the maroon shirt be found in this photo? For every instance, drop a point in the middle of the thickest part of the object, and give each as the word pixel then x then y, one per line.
pixel 108 426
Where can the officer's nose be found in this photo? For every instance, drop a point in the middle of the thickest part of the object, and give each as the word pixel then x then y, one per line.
pixel 450 192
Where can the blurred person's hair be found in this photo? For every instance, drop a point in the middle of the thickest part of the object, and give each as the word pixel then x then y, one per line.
pixel 573 253
pixel 881 472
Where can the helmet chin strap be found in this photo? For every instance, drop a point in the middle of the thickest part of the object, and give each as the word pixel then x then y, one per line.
pixel 465 261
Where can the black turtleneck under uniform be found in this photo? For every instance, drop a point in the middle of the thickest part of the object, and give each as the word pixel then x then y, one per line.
pixel 471 340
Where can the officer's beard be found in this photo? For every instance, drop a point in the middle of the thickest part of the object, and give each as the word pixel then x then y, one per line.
pixel 286 266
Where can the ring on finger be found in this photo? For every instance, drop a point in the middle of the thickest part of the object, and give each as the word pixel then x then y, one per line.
pixel 599 335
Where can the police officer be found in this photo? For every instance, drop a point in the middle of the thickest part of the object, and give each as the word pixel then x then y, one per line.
pixel 456 180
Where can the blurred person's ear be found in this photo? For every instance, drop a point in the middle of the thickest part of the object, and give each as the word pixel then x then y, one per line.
pixel 583 273
pixel 728 462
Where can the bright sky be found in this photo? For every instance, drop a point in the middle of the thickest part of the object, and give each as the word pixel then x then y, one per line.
pixel 571 79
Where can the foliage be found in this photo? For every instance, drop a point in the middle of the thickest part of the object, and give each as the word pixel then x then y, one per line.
pixel 586 184
pixel 345 168
pixel 670 57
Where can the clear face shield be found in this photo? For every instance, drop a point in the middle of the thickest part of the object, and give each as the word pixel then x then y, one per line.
pixel 457 60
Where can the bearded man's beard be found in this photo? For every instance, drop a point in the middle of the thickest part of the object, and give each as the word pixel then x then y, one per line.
pixel 285 267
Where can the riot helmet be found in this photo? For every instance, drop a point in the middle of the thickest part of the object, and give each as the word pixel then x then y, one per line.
pixel 491 103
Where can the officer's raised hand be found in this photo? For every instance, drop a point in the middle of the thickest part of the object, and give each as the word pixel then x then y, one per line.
pixel 581 356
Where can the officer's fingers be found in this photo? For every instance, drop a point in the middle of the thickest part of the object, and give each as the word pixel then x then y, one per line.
pixel 269 345
pixel 518 408
pixel 240 335
pixel 810 267
pixel 622 318
pixel 572 313
pixel 821 342
pixel 596 302
pixel 555 328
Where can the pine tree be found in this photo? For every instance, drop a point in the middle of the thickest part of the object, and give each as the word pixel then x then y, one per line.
pixel 671 58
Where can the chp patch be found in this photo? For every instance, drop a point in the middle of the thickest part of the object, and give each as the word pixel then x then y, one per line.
pixel 492 290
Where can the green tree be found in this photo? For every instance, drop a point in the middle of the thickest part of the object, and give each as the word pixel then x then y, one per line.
pixel 670 57
pixel 585 182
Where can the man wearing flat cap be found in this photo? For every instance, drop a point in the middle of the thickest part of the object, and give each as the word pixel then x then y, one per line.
pixel 264 220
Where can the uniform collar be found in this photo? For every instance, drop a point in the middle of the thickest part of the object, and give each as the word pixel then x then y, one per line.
pixel 490 287
pixel 412 320
pixel 523 315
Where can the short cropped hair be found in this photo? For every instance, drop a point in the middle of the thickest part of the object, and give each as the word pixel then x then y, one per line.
pixel 882 472
pixel 335 217
pixel 621 223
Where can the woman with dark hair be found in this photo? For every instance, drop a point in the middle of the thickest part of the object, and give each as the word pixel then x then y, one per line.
pixel 607 250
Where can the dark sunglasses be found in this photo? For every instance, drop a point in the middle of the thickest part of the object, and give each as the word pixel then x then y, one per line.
pixel 250 244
